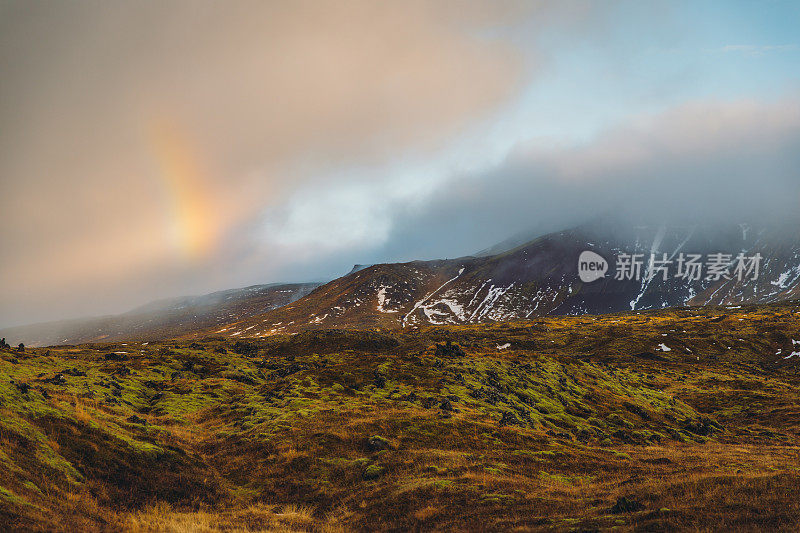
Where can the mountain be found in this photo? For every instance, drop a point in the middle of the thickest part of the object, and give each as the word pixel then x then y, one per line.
pixel 541 278
pixel 163 319
pixel 537 278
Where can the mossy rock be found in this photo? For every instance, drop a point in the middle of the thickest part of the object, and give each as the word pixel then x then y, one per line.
pixel 373 472
pixel 376 443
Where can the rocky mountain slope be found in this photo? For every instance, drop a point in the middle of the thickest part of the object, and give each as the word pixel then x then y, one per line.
pixel 542 278
pixel 538 278
pixel 163 319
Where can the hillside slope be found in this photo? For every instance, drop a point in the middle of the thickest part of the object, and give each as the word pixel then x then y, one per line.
pixel 163 319
pixel 681 419
pixel 541 278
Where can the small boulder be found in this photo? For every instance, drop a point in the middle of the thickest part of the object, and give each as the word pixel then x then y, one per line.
pixel 704 426
pixel 244 348
pixel 624 505
pixel 373 472
pixel 449 349
pixel 58 379
pixel 637 410
pixel 428 402
pixel 133 419
pixel 239 376
pixel 508 419
pixel 377 443
pixel 650 356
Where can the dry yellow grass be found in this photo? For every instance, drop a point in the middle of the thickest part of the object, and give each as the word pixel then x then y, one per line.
pixel 161 518
pixel 303 435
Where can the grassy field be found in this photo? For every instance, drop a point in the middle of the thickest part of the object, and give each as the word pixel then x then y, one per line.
pixel 683 419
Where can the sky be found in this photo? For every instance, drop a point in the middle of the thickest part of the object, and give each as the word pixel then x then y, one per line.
pixel 156 149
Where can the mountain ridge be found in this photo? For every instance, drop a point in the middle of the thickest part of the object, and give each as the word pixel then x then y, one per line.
pixel 161 319
pixel 536 278
pixel 540 278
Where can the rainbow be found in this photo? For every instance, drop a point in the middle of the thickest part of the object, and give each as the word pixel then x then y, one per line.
pixel 188 200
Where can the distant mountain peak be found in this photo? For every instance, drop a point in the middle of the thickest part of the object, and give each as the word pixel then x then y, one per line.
pixel 357 268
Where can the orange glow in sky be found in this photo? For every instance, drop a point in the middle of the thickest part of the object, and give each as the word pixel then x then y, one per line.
pixel 194 225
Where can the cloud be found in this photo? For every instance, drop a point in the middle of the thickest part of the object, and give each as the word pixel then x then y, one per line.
pixel 258 99
pixel 711 162
pixel 150 150
pixel 704 162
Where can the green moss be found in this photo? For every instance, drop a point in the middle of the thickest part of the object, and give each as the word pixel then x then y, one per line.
pixel 565 479
pixel 373 471
pixel 29 485
pixel 12 498
pixel 495 497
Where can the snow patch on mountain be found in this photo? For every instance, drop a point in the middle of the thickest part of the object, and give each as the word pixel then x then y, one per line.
pixel 794 353
pixel 382 301
pixel 421 302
